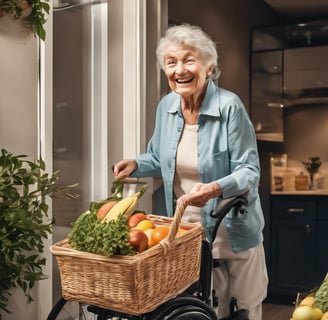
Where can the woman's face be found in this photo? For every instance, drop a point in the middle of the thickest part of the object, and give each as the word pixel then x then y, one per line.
pixel 186 71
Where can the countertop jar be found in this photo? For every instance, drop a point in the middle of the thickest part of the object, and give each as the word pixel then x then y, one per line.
pixel 289 180
pixel 301 182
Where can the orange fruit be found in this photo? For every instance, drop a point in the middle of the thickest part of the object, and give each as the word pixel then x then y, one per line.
pixel 159 233
pixel 151 242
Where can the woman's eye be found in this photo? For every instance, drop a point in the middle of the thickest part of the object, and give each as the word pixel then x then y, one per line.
pixel 170 62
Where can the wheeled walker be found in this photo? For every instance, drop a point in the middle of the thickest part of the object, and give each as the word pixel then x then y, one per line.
pixel 196 303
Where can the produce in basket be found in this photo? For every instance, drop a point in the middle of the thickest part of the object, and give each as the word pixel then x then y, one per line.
pixel 136 218
pixel 115 227
pixel 303 313
pixel 138 240
pixel 91 235
pixel 307 310
pixel 126 206
pixel 321 296
pixel 103 207
pixel 103 228
pixel 314 306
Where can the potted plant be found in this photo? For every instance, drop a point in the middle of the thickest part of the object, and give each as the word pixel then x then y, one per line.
pixel 312 166
pixel 24 222
pixel 33 14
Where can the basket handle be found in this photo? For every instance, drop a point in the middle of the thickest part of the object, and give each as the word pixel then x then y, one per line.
pixel 181 205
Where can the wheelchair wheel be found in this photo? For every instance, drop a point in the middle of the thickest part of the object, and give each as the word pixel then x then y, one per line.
pixel 72 310
pixel 184 308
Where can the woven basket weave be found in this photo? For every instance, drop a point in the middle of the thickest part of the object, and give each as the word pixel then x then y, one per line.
pixel 133 284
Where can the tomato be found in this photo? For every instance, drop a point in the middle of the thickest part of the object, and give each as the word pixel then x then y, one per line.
pixel 159 233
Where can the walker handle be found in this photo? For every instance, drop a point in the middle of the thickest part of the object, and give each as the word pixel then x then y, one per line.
pixel 224 206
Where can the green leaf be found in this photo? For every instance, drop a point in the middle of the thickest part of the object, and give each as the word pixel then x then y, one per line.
pixel 24 223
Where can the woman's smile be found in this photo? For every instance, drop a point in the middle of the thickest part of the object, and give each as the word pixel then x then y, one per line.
pixel 182 81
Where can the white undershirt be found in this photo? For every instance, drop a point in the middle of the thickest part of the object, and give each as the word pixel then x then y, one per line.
pixel 186 174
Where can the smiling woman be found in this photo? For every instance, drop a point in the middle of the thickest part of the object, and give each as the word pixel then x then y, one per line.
pixel 204 147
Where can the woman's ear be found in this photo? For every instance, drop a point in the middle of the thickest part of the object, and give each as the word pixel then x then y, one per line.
pixel 209 71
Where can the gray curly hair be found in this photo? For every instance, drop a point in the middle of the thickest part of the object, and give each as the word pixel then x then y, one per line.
pixel 192 36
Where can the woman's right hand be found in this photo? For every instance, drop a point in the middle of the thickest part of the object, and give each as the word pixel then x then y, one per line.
pixel 124 168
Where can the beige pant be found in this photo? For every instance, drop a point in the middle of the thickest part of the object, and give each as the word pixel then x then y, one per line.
pixel 241 275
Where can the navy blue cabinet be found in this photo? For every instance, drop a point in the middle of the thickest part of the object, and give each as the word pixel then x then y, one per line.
pixel 298 238
pixel 322 240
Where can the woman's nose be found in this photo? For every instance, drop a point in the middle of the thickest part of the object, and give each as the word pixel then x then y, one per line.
pixel 180 68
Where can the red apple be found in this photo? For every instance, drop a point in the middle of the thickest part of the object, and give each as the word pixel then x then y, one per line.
pixel 135 219
pixel 138 240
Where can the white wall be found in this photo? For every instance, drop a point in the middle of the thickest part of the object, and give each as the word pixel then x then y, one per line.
pixel 18 116
pixel 19 85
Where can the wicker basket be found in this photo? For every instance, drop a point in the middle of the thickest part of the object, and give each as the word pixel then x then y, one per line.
pixel 133 284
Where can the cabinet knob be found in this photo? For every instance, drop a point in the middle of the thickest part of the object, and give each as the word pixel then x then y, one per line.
pixel 308 229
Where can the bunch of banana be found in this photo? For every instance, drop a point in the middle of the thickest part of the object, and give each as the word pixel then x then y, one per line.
pixel 126 206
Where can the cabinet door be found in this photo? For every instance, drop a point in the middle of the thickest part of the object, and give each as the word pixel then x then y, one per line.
pixel 305 75
pixel 322 240
pixel 293 256
pixel 322 251
pixel 266 95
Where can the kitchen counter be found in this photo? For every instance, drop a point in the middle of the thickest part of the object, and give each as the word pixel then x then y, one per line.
pixel 319 192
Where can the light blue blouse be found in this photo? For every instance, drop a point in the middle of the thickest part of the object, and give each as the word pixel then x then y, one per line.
pixel 227 154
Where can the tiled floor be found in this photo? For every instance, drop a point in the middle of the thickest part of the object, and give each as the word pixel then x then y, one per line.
pixel 277 311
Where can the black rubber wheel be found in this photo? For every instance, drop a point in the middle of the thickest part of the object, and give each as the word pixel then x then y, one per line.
pixel 62 310
pixel 184 308
pixel 56 309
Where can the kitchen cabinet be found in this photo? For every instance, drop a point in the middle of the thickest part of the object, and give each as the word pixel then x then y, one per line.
pixel 288 68
pixel 322 228
pixel 305 76
pixel 266 95
pixel 299 256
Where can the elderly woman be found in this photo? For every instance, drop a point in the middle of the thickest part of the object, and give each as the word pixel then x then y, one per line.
pixel 204 147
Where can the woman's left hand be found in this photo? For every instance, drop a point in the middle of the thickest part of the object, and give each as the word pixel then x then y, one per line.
pixel 201 193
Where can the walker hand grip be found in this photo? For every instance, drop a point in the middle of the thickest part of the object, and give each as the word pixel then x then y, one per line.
pixel 225 205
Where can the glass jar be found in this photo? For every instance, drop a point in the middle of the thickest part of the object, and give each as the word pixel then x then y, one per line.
pixel 289 180
pixel 301 182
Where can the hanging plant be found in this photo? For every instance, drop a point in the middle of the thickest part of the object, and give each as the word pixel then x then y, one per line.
pixel 24 222
pixel 33 14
